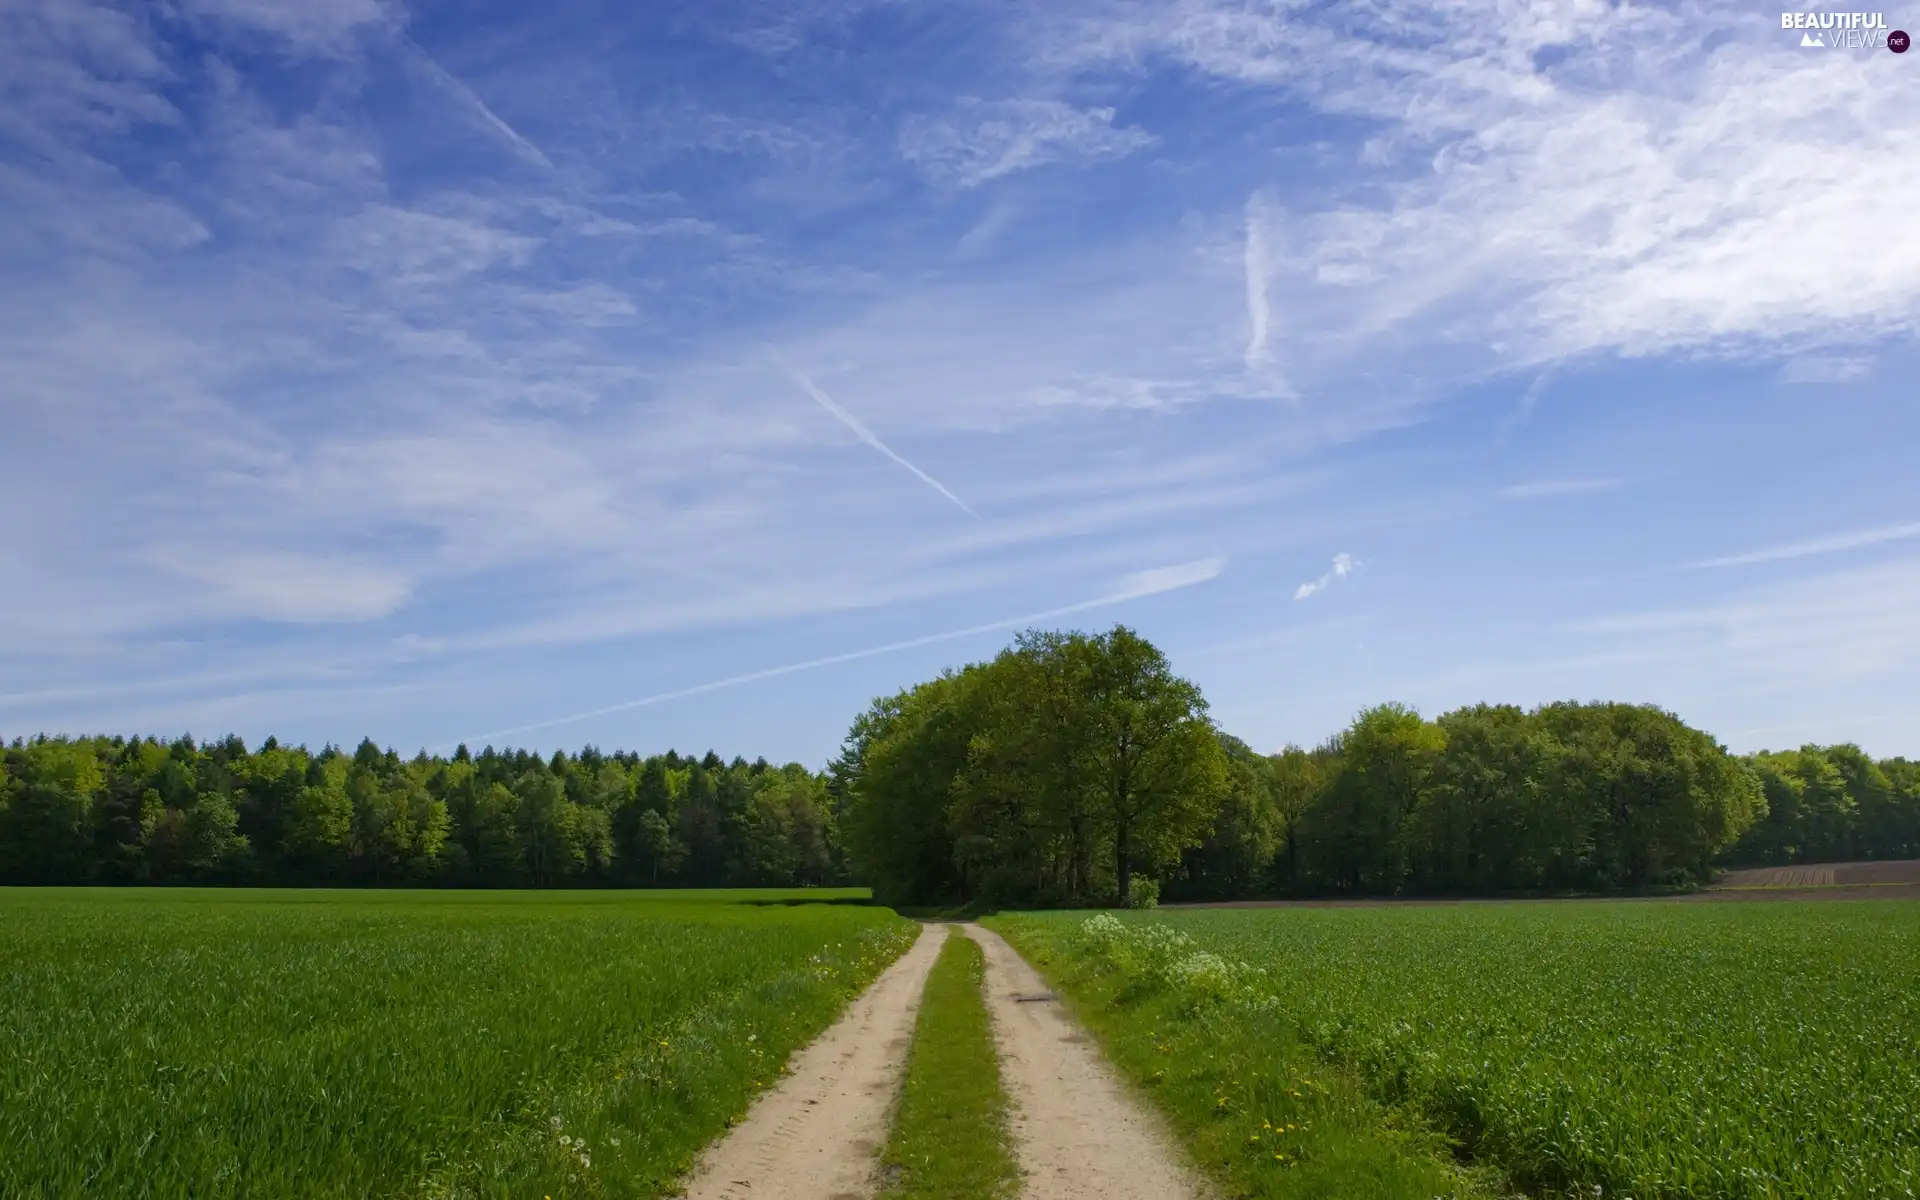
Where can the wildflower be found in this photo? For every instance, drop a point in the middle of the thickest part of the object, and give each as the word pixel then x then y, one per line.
pixel 556 1122
pixel 616 1142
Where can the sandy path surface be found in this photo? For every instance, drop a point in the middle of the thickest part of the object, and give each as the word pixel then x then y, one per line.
pixel 1076 1130
pixel 816 1135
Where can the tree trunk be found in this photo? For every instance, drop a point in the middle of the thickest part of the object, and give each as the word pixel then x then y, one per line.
pixel 1122 865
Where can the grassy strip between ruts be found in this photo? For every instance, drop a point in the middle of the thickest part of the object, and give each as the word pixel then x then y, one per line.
pixel 1263 1115
pixel 949 1139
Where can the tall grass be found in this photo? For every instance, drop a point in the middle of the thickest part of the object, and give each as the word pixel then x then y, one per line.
pixel 1611 1049
pixel 269 1044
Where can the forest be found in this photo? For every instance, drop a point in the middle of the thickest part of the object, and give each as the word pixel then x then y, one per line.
pixel 137 810
pixel 1071 769
pixel 1080 770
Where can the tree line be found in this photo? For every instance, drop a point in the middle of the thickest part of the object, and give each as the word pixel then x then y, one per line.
pixel 1070 769
pixel 114 810
pixel 1079 770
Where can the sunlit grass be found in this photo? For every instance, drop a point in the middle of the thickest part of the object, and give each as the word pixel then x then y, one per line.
pixel 266 1044
pixel 1613 1049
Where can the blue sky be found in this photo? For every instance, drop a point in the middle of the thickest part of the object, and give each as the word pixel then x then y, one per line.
pixel 687 376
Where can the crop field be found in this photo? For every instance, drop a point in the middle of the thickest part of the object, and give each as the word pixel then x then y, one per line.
pixel 1610 1049
pixel 267 1044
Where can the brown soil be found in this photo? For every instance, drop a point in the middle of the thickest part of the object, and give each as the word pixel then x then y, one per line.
pixel 1076 1130
pixel 1899 880
pixel 816 1136
pixel 1821 875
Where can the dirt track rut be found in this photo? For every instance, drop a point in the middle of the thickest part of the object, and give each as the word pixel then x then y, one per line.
pixel 816 1135
pixel 1076 1130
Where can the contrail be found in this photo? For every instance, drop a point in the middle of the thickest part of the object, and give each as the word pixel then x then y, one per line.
pixel 868 436
pixel 1133 587
pixel 1825 545
pixel 1259 314
pixel 447 80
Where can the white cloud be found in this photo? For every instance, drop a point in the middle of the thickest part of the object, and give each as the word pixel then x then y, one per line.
pixel 1343 565
pixel 1557 487
pixel 1831 544
pixel 315 26
pixel 411 246
pixel 1825 368
pixel 1638 195
pixel 1259 309
pixel 296 587
pixel 1848 625
pixel 982 140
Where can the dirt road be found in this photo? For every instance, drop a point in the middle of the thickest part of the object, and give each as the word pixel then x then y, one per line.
pixel 815 1136
pixel 1076 1130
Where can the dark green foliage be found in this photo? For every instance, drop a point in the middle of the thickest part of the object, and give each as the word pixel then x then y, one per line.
pixel 1832 804
pixel 117 811
pixel 1488 799
pixel 1052 775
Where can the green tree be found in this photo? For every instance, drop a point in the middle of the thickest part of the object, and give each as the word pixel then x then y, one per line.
pixel 46 816
pixel 899 764
pixel 1354 836
pixel 1489 817
pixel 1236 858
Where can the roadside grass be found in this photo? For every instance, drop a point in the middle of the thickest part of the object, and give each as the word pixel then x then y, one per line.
pixel 1260 1112
pixel 949 1139
pixel 270 1044
pixel 1764 1051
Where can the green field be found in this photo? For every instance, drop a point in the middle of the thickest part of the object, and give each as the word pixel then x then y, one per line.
pixel 1613 1049
pixel 282 1043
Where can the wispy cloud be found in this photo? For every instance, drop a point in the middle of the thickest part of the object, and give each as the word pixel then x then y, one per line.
pixel 1832 544
pixel 1845 625
pixel 982 140
pixel 1540 488
pixel 1254 260
pixel 1139 585
pixel 1826 368
pixel 1522 414
pixel 1580 179
pixel 384 386
pixel 1343 565
pixel 872 439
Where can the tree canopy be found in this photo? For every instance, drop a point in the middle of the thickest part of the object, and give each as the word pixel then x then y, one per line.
pixel 137 810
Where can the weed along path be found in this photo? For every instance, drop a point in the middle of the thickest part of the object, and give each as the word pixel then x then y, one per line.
pixel 1076 1130
pixel 814 1137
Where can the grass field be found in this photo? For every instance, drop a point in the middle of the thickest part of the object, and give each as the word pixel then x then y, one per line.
pixel 1613 1049
pixel 267 1044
